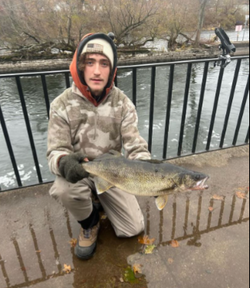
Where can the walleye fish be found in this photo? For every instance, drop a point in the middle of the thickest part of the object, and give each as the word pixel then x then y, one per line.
pixel 143 177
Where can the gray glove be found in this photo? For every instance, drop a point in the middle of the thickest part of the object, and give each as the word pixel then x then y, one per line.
pixel 71 169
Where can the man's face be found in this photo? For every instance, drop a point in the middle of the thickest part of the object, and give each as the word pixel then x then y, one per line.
pixel 96 73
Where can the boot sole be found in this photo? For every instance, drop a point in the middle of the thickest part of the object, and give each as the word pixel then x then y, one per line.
pixel 81 254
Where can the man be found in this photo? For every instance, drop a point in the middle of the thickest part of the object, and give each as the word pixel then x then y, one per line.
pixel 86 121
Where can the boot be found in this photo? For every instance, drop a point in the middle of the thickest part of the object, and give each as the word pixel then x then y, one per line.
pixel 86 243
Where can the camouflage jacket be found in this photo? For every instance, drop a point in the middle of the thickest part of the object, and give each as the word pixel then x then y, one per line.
pixel 76 125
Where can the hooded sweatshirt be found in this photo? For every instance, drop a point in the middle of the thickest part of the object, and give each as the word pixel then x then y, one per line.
pixel 78 123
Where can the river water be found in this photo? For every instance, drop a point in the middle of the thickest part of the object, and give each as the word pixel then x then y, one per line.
pixel 33 92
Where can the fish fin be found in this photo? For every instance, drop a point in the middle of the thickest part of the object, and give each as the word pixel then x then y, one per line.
pixel 152 161
pixel 110 155
pixel 114 153
pixel 161 201
pixel 102 185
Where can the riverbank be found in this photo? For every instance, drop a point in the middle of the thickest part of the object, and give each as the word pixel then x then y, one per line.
pixel 211 51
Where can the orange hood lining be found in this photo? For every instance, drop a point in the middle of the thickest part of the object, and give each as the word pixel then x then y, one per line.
pixel 76 74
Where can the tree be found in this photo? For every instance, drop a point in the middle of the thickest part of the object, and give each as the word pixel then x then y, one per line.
pixel 177 19
pixel 203 4
pixel 125 17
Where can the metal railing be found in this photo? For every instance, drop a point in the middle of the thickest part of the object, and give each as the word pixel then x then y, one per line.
pixel 134 69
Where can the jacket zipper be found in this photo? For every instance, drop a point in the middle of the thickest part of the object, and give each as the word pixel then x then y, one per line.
pixel 95 131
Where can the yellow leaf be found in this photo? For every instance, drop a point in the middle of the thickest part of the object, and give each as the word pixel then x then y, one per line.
pixel 104 217
pixel 145 240
pixel 67 269
pixel 73 242
pixel 149 249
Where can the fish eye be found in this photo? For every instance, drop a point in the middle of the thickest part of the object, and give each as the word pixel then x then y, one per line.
pixel 197 177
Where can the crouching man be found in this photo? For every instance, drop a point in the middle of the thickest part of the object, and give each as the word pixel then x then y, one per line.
pixel 86 121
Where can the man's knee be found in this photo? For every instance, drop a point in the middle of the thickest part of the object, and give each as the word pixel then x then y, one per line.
pixel 59 188
pixel 127 231
pixel 67 192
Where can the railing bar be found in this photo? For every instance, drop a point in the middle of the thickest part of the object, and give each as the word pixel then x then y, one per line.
pixel 35 242
pixel 230 102
pixel 243 206
pixel 26 117
pixel 168 114
pixel 232 210
pixel 151 112
pixel 4 272
pixel 209 219
pixel 247 137
pixel 28 74
pixel 178 62
pixel 217 95
pixel 202 94
pixel 184 111
pixel 67 80
pixel 221 213
pixel 20 260
pixel 186 215
pixel 123 66
pixel 198 218
pixel 46 96
pixel 9 146
pixel 241 113
pixel 174 219
pixel 134 89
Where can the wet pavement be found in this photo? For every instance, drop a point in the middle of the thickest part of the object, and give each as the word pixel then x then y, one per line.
pixel 210 228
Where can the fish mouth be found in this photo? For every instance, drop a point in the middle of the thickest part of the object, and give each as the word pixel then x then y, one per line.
pixel 201 185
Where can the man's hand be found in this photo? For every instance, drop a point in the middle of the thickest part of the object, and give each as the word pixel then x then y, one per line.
pixel 71 169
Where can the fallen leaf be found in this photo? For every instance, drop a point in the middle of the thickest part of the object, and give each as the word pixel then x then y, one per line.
pixel 38 251
pixel 175 244
pixel 73 242
pixel 104 217
pixel 241 195
pixel 129 276
pixel 217 197
pixel 67 269
pixel 170 260
pixel 137 269
pixel 149 249
pixel 145 240
pixel 211 209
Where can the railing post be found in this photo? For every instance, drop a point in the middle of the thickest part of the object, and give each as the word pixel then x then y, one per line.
pixel 46 96
pixel 230 102
pixel 202 94
pixel 134 86
pixel 217 96
pixel 151 113
pixel 9 146
pixel 29 130
pixel 241 113
pixel 168 113
pixel 184 111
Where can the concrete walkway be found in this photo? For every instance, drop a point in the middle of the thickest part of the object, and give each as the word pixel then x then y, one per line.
pixel 211 229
